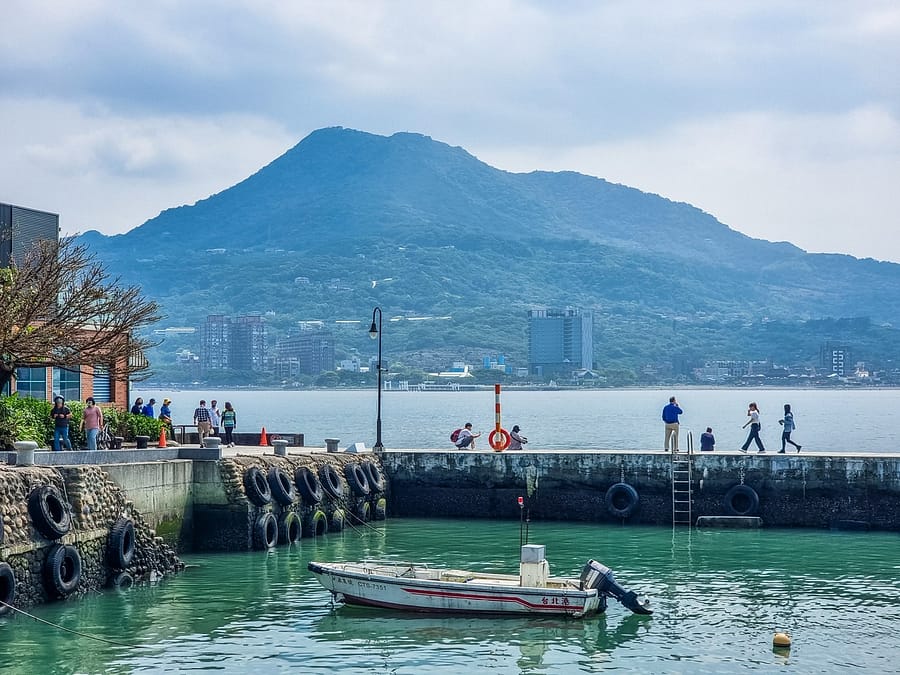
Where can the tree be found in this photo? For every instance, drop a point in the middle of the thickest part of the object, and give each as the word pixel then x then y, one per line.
pixel 58 306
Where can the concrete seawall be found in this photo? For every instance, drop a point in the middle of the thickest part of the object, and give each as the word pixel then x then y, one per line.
pixel 807 490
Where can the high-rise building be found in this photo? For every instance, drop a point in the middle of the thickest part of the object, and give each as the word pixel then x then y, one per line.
pixel 248 343
pixel 312 350
pixel 560 341
pixel 215 343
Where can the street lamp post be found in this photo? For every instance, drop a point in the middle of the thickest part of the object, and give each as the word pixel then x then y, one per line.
pixel 375 332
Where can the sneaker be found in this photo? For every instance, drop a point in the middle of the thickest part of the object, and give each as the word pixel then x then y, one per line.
pixel 744 450
pixel 798 448
pixel 781 452
pixel 759 451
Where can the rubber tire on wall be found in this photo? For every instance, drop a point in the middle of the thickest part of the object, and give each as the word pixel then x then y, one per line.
pixel 381 509
pixel 7 587
pixel 316 524
pixel 281 487
pixel 364 512
pixel 257 487
pixel 357 480
pixel 331 481
pixel 290 529
pixel 62 570
pixel 122 581
pixel 309 486
pixel 374 476
pixel 120 549
pixel 49 512
pixel 336 524
pixel 741 495
pixel 621 500
pixel 265 532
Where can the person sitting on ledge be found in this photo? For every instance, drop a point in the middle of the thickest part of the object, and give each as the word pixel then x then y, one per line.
pixel 707 441
pixel 466 438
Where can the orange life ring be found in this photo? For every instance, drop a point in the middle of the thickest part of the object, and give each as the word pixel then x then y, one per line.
pixel 499 440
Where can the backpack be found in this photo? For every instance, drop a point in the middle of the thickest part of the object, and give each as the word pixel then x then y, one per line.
pixel 455 435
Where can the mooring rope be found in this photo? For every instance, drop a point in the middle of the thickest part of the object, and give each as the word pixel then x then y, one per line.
pixel 68 630
pixel 349 512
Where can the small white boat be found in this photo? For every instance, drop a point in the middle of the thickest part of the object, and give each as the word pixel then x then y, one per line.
pixel 420 588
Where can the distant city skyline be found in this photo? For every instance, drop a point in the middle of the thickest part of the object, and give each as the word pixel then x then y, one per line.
pixel 780 119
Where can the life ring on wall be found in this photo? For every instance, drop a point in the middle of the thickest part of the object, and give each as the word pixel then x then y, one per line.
pixel 48 512
pixel 120 550
pixel 499 440
pixel 374 475
pixel 621 500
pixel 7 587
pixel 289 528
pixel 265 531
pixel 257 487
pixel 356 477
pixel 309 486
pixel 316 525
pixel 281 486
pixel 741 500
pixel 331 481
pixel 337 520
pixel 381 509
pixel 62 569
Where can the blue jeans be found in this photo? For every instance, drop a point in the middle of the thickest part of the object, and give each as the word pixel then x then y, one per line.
pixel 92 438
pixel 61 434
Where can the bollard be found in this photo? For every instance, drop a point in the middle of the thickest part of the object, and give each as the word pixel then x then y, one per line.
pixel 143 442
pixel 25 452
pixel 331 444
pixel 212 442
pixel 280 446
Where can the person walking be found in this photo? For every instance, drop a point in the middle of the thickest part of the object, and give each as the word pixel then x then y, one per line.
pixel 201 420
pixel 138 407
pixel 229 422
pixel 60 414
pixel 165 416
pixel 147 410
pixel 91 422
pixel 788 423
pixel 755 426
pixel 516 440
pixel 707 441
pixel 466 438
pixel 670 415
pixel 215 419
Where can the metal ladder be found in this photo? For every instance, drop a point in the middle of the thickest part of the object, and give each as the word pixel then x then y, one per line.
pixel 683 483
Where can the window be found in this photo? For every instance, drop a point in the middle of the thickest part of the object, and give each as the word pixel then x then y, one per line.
pixel 102 386
pixel 32 382
pixel 67 383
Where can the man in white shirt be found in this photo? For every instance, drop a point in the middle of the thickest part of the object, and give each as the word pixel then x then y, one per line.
pixel 466 438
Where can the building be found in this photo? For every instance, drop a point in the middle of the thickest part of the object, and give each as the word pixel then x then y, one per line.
pixel 21 228
pixel 560 341
pixel 249 350
pixel 835 359
pixel 312 350
pixel 215 343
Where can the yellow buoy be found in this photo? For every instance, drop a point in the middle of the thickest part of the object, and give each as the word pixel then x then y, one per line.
pixel 781 640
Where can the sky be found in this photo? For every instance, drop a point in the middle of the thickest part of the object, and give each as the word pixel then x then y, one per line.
pixel 780 118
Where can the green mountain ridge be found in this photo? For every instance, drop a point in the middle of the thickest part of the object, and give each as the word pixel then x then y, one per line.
pixel 441 233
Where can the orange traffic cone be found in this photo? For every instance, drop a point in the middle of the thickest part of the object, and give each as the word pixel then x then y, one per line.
pixel 263 439
pixel 162 437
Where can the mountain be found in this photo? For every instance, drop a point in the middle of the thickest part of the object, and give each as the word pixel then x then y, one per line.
pixel 347 220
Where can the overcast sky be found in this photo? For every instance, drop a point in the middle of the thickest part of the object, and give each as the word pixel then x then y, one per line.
pixel 781 118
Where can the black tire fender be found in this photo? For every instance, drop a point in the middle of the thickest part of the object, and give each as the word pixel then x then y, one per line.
pixel 122 580
pixel 290 529
pixel 621 500
pixel 357 480
pixel 316 524
pixel 336 524
pixel 7 587
pixel 62 570
pixel 265 531
pixel 257 487
pixel 741 500
pixel 374 475
pixel 381 509
pixel 49 512
pixel 281 487
pixel 308 485
pixel 120 550
pixel 364 511
pixel 331 481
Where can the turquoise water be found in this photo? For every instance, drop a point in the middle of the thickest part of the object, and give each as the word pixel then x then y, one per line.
pixel 719 596
pixel 828 420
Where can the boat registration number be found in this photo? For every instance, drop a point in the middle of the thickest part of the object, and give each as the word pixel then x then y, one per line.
pixel 555 601
pixel 360 584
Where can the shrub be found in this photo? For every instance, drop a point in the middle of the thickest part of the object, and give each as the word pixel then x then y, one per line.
pixel 25 419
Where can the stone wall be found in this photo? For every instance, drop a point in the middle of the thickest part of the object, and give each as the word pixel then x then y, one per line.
pixel 803 490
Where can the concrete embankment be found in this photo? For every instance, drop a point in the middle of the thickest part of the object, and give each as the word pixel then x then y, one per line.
pixel 807 490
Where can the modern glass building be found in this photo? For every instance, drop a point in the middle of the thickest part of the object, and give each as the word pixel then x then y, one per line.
pixel 560 341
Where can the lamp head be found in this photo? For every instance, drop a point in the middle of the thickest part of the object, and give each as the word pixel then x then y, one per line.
pixel 373 330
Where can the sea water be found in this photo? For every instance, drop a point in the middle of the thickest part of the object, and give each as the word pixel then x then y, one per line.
pixel 719 597
pixel 828 420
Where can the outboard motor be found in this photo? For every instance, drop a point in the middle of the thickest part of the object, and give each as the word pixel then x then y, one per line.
pixel 599 576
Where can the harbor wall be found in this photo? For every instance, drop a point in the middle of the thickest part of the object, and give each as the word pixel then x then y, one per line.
pixel 807 490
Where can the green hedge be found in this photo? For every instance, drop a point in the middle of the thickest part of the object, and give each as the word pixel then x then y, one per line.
pixel 28 419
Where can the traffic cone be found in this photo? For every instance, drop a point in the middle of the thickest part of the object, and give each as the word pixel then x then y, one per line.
pixel 162 437
pixel 263 439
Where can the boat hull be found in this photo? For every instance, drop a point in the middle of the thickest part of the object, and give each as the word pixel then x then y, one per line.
pixel 475 594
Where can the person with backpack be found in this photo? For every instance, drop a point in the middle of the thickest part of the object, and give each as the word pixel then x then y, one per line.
pixel 464 438
pixel 789 425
